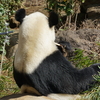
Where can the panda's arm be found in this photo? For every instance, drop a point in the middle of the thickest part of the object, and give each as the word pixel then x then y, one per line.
pixel 85 78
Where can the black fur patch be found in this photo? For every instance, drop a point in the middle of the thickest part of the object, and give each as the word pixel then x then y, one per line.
pixel 20 14
pixel 56 75
pixel 53 19
pixel 19 78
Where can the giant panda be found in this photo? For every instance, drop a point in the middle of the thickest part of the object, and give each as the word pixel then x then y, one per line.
pixel 39 67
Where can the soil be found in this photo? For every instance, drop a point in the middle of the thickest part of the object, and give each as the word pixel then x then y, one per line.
pixel 31 6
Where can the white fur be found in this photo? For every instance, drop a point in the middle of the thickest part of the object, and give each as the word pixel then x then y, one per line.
pixel 36 42
pixel 64 97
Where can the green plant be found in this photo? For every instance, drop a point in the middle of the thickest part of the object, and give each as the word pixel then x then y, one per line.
pixel 63 5
pixel 58 6
pixel 66 8
pixel 7 9
pixel 7 83
pixel 83 61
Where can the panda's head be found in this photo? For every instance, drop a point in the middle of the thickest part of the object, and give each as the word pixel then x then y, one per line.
pixel 36 38
pixel 53 17
pixel 36 23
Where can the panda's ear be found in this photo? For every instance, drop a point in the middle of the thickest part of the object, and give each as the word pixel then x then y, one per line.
pixel 20 14
pixel 53 19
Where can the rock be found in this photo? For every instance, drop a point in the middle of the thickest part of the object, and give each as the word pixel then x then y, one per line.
pixel 85 39
pixel 11 49
pixel 93 12
pixel 91 8
pixel 91 2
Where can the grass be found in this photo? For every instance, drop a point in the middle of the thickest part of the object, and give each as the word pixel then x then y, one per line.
pixel 81 61
pixel 7 83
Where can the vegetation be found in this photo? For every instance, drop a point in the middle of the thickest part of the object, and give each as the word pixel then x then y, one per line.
pixel 7 9
pixel 81 61
pixel 7 83
pixel 68 8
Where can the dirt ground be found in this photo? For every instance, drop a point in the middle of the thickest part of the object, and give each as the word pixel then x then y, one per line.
pixel 35 5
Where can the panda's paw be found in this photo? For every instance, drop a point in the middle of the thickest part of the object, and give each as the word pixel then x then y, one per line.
pixel 96 67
